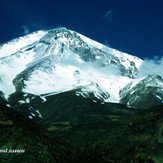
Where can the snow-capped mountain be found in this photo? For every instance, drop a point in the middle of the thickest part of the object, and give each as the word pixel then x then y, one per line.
pixel 145 92
pixel 47 63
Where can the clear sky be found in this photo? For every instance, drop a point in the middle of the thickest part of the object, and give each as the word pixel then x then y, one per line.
pixel 132 26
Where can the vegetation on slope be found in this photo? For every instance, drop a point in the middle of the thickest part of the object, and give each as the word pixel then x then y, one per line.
pixel 138 138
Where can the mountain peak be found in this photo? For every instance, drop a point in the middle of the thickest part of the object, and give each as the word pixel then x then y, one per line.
pixel 47 63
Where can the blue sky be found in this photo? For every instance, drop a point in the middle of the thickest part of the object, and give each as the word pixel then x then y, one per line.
pixel 132 26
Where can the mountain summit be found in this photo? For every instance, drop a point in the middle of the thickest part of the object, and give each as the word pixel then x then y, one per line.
pixel 39 67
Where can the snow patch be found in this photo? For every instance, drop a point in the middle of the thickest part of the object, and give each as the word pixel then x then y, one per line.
pixel 16 44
